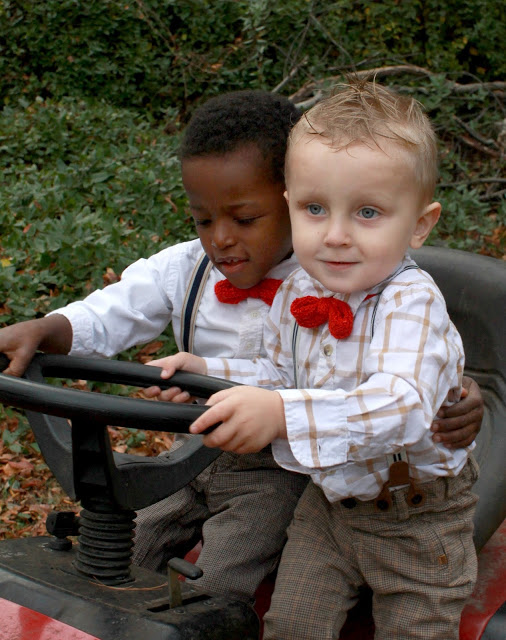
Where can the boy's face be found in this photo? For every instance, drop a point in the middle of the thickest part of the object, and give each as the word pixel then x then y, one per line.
pixel 240 214
pixel 354 212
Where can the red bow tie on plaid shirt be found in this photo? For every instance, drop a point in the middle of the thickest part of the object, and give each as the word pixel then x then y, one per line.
pixel 311 312
pixel 229 294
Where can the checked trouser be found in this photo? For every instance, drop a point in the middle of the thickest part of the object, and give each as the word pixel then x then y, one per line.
pixel 240 506
pixel 420 563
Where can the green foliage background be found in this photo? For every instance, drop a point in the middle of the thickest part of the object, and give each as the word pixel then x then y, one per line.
pixel 94 96
pixel 152 54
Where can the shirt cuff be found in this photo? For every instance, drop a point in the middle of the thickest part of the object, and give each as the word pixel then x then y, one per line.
pixel 231 369
pixel 82 342
pixel 216 367
pixel 317 427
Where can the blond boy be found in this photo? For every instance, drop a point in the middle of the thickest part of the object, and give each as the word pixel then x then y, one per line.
pixel 361 354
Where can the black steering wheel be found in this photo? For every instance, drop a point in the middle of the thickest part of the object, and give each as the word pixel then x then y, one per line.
pixel 80 454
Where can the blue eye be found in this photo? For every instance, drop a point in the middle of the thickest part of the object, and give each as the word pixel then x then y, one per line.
pixel 315 209
pixel 368 213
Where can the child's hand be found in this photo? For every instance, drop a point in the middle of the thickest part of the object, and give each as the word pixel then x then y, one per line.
pixel 458 425
pixel 19 345
pixel 174 394
pixel 251 419
pixel 20 341
pixel 180 362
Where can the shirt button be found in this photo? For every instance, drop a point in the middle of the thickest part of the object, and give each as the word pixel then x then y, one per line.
pixel 327 349
pixel 254 314
pixel 249 345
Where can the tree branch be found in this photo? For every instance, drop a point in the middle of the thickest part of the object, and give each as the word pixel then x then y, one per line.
pixel 339 46
pixel 486 141
pixel 311 88
pixel 287 78
pixel 478 146
pixel 445 185
pixel 492 196
pixel 498 85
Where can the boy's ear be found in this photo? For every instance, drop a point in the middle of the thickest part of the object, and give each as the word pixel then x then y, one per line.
pixel 286 196
pixel 426 222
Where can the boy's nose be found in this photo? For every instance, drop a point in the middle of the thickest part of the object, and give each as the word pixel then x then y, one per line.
pixel 222 237
pixel 337 233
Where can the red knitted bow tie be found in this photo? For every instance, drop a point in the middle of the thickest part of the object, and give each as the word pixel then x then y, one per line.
pixel 229 294
pixel 311 312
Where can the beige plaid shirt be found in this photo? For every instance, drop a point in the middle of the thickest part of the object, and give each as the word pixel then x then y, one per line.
pixel 361 399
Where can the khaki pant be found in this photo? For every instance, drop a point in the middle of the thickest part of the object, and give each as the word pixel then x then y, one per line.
pixel 420 563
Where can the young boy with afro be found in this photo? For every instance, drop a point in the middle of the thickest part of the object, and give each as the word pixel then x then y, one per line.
pixel 361 355
pixel 232 162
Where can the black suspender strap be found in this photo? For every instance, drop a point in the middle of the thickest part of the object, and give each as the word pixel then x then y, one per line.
pixel 191 302
pixel 373 319
pixel 295 348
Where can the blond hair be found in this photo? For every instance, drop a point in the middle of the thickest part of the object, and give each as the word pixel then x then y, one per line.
pixel 366 112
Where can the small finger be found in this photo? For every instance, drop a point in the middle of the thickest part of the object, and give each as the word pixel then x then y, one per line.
pixel 17 366
pixel 169 394
pixel 473 420
pixel 14 371
pixel 183 396
pixel 452 437
pixel 219 396
pixel 153 363
pixel 202 423
pixel 225 438
pixel 151 392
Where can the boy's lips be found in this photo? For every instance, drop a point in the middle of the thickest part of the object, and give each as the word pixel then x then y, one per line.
pixel 339 264
pixel 230 264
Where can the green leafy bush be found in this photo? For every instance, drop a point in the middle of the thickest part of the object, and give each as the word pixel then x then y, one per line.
pixel 85 189
pixel 152 54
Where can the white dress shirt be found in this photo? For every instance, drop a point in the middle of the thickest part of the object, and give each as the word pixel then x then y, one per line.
pixel 150 295
pixel 372 394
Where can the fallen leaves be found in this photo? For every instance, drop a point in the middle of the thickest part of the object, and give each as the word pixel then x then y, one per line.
pixel 148 351
pixel 28 490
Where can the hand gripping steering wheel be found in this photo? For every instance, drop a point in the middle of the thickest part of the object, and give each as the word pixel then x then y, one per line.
pixel 80 454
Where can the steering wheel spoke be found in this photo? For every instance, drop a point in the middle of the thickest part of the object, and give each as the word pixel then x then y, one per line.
pixel 80 453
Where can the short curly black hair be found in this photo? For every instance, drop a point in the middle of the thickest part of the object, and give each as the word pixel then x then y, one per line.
pixel 227 122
